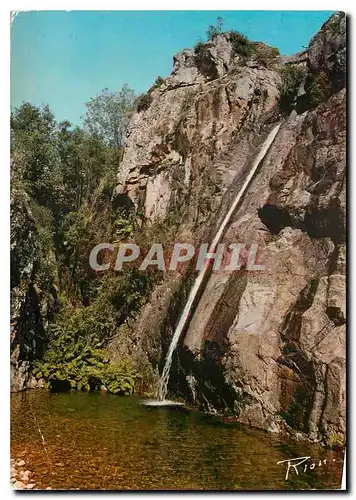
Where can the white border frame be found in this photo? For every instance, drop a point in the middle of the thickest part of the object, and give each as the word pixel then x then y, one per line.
pixel 21 5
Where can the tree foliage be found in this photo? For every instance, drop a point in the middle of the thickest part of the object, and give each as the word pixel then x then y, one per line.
pixel 216 29
pixel 61 166
pixel 67 176
pixel 108 114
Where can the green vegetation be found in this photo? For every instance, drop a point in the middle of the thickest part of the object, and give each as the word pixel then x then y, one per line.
pixel 120 378
pixel 216 29
pixel 318 88
pixel 264 54
pixel 199 47
pixel 335 440
pixel 108 115
pixel 158 82
pixel 63 179
pixel 292 77
pixel 241 45
pixel 70 364
pixel 143 102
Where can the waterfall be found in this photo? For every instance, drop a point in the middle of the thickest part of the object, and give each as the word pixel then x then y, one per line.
pixel 199 279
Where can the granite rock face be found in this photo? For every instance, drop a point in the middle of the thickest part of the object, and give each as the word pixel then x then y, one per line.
pixel 182 143
pixel 327 51
pixel 266 346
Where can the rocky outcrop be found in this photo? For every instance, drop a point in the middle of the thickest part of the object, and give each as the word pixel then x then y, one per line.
pixel 181 152
pixel 327 51
pixel 266 346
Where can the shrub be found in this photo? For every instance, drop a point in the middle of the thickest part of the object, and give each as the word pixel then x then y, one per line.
pixel 143 102
pixel 292 77
pixel 158 82
pixel 274 51
pixel 335 440
pixel 318 88
pixel 124 227
pixel 265 55
pixel 120 378
pixel 199 47
pixel 71 364
pixel 241 45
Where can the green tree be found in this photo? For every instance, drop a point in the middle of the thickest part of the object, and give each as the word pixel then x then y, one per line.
pixel 108 115
pixel 84 160
pixel 34 143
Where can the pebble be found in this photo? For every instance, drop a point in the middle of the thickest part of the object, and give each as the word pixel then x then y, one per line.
pixel 20 478
pixel 25 476
pixel 49 488
pixel 18 485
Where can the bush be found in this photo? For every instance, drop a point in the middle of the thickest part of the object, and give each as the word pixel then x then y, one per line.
pixel 120 378
pixel 199 47
pixel 71 364
pixel 292 77
pixel 318 88
pixel 124 227
pixel 241 45
pixel 335 440
pixel 144 102
pixel 265 55
pixel 158 82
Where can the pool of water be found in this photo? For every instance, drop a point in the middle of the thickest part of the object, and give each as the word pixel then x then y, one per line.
pixel 99 441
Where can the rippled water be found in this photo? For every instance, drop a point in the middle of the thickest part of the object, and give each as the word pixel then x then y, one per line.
pixel 101 441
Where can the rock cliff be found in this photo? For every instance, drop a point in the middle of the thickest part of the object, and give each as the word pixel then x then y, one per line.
pixel 267 347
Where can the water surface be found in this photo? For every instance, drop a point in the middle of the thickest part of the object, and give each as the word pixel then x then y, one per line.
pixel 102 441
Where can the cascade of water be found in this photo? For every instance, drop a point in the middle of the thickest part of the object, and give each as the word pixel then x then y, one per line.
pixel 199 279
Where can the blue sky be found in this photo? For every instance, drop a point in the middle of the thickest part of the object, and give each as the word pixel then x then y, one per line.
pixel 63 58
